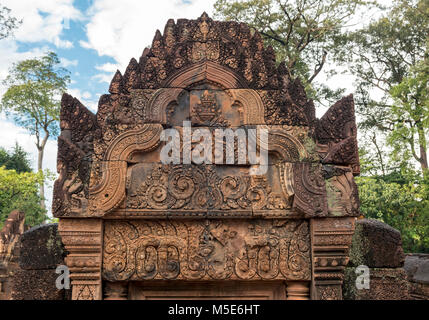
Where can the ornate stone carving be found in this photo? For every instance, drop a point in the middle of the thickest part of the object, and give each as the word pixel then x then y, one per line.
pixel 310 190
pixel 207 250
pixel 216 75
pixel 75 148
pixel 110 191
pixel 337 135
pixel 115 290
pixel 297 290
pixel 10 236
pixel 156 189
pixel 82 238
pixel 331 239
pixel 342 192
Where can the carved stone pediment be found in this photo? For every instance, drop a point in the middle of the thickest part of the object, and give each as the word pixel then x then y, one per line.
pixel 216 211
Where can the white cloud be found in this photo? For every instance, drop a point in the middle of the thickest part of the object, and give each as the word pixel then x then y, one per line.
pixel 9 54
pixel 102 77
pixel 86 95
pixel 43 20
pixel 122 29
pixel 85 98
pixel 107 67
pixel 63 44
pixel 67 63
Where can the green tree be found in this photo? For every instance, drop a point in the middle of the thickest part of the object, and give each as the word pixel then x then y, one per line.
pixel 16 160
pixel 7 22
pixel 302 32
pixel 400 199
pixel 411 112
pixel 33 97
pixel 20 191
pixel 389 60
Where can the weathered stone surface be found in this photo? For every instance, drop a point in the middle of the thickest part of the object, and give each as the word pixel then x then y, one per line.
pixel 241 223
pixel 36 285
pixel 376 245
pixel 41 248
pixel 10 251
pixel 337 135
pixel 216 250
pixel 417 268
pixel 384 284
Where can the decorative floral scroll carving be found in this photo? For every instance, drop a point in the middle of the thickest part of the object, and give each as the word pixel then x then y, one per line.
pixel 190 187
pixel 156 112
pixel 253 108
pixel 282 141
pixel 211 250
pixel 110 191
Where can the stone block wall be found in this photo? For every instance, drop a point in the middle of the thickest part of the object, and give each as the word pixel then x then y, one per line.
pixel 377 246
pixel 41 252
pixel 417 268
pixel 9 251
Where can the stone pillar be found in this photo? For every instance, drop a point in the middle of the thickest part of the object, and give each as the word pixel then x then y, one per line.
pixel 331 240
pixel 82 238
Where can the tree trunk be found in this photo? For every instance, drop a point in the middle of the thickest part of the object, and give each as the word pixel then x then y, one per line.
pixel 423 149
pixel 42 184
pixel 424 159
pixel 41 150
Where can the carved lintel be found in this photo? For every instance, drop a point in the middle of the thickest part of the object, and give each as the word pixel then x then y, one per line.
pixel 205 251
pixel 298 290
pixel 82 239
pixel 331 240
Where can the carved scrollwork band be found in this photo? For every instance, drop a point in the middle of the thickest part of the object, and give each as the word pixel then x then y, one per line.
pixel 156 190
pixel 207 250
pixel 205 72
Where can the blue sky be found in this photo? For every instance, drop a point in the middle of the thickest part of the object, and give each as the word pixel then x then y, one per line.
pixel 93 38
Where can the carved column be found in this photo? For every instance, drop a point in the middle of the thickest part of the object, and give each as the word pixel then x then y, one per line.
pixel 82 238
pixel 331 240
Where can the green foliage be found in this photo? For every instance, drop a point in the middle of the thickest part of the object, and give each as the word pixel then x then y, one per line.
pixel 20 191
pixel 16 160
pixel 389 56
pixel 411 109
pixel 33 96
pixel 302 32
pixel 7 22
pixel 402 201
